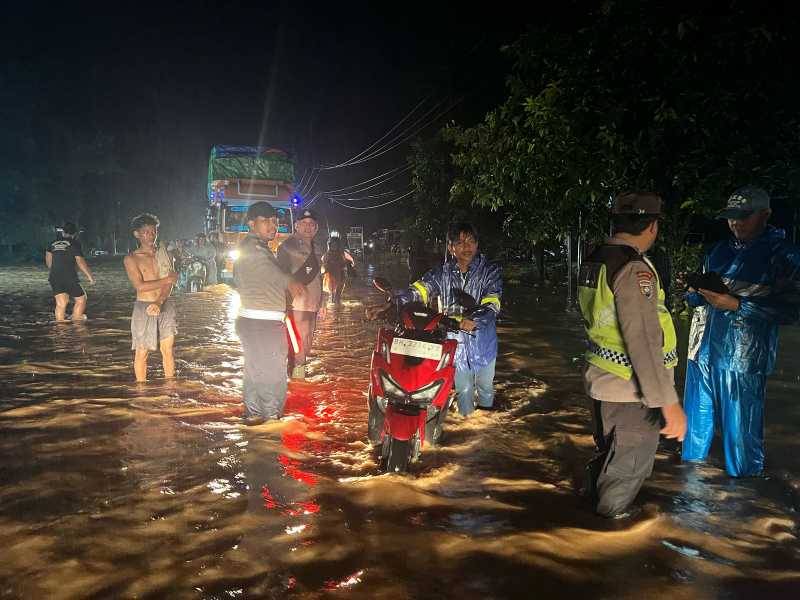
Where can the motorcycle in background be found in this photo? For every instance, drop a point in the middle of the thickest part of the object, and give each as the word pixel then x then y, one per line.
pixel 194 273
pixel 411 375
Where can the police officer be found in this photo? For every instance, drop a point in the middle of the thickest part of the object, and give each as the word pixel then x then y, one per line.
pixel 631 355
pixel 297 255
pixel 262 285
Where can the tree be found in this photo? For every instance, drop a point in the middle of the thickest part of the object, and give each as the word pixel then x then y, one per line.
pixel 435 203
pixel 637 95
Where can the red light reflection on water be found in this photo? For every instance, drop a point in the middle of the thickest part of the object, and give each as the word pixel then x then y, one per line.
pixel 289 509
pixel 296 440
pixel 345 582
pixel 291 468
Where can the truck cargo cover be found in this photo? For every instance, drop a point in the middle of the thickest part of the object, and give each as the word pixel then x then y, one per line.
pixel 249 162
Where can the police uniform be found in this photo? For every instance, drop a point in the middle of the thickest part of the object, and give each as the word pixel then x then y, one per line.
pixel 301 260
pixel 262 285
pixel 631 355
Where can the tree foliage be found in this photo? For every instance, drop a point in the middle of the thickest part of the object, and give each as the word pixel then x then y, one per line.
pixel 436 204
pixel 637 95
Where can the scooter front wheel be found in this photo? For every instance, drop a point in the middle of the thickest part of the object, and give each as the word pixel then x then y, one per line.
pixel 396 455
pixel 375 424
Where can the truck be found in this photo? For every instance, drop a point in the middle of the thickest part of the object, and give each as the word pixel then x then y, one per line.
pixel 239 176
pixel 355 240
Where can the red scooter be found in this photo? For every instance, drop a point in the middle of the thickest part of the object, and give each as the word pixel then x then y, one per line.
pixel 411 375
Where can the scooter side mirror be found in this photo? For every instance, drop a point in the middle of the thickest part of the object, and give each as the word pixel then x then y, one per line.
pixel 465 299
pixel 382 284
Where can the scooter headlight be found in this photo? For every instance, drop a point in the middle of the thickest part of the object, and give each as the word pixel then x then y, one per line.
pixel 233 255
pixel 428 393
pixel 390 387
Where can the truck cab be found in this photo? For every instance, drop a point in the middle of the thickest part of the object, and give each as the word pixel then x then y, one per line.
pixel 239 176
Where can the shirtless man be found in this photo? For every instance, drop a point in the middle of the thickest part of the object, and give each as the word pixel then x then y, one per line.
pixel 153 323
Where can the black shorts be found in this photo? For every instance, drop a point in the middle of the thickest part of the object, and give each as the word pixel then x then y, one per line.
pixel 71 287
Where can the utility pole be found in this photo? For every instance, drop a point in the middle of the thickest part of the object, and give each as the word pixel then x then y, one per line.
pixel 116 227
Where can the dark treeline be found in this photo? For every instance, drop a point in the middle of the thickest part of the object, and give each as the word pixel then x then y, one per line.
pixel 686 100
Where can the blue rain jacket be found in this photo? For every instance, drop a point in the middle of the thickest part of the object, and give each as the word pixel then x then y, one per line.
pixel 765 275
pixel 732 352
pixel 483 281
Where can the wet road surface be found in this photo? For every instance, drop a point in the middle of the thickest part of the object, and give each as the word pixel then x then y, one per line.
pixel 109 489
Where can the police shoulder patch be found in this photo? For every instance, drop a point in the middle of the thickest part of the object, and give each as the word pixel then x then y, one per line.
pixel 646 286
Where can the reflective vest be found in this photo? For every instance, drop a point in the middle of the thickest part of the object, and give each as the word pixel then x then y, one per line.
pixel 606 346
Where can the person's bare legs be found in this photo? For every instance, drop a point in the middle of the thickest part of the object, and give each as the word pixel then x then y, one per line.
pixel 140 364
pixel 79 308
pixel 61 306
pixel 167 356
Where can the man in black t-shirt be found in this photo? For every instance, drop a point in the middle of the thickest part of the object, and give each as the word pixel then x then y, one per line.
pixel 64 257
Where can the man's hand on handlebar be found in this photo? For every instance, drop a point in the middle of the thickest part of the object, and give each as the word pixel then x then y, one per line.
pixel 467 325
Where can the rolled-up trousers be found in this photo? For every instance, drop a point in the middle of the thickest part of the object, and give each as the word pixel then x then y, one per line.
pixel 306 323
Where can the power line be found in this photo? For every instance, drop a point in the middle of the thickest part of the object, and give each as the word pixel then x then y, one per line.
pixel 408 137
pixel 397 172
pixel 364 156
pixel 310 186
pixel 391 144
pixel 347 187
pixel 356 199
pixel 396 125
pixel 299 185
pixel 371 207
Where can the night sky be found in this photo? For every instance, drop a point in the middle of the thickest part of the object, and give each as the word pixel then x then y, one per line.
pixel 159 84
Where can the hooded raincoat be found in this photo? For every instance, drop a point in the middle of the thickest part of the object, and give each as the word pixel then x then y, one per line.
pixel 483 281
pixel 732 352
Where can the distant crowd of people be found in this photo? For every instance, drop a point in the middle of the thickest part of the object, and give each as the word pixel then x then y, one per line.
pixel 747 286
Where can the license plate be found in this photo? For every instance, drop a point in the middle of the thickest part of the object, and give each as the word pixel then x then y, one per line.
pixel 416 348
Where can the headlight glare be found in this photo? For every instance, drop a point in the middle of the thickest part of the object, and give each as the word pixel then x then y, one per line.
pixel 428 393
pixel 390 388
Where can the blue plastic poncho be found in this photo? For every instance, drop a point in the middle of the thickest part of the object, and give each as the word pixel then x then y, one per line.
pixel 732 352
pixel 483 281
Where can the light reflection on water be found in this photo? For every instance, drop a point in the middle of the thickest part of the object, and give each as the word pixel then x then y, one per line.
pixel 110 489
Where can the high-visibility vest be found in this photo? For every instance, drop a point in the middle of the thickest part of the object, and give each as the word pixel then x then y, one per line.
pixel 606 346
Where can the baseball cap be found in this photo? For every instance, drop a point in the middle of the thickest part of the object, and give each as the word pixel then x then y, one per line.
pixel 744 202
pixel 260 209
pixel 305 214
pixel 637 203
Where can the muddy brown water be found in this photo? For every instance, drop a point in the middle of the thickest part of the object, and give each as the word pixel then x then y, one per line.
pixel 110 489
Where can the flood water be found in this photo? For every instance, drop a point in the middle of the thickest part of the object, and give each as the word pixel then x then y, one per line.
pixel 109 489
